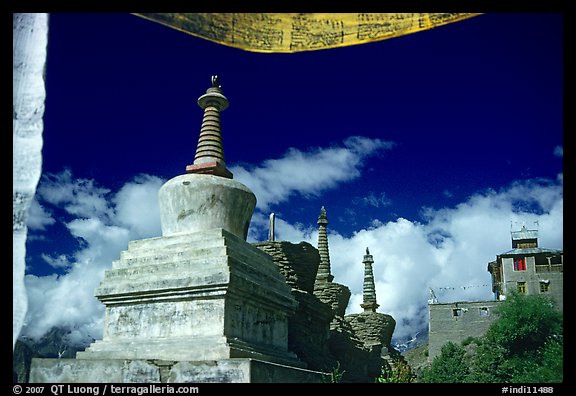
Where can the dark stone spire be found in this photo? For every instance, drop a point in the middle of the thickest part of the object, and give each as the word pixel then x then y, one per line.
pixel 209 158
pixel 324 274
pixel 369 291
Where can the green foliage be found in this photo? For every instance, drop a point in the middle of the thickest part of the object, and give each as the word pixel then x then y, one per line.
pixel 486 362
pixel 550 368
pixel 336 374
pixel 470 340
pixel 400 372
pixel 524 323
pixel 449 366
pixel 524 345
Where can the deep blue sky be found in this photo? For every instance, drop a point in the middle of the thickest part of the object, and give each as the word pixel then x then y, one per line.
pixel 468 100
pixel 470 106
pixel 474 110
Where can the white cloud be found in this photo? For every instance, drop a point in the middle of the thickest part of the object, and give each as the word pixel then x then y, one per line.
pixel 65 301
pixel 38 217
pixel 79 197
pixel 105 224
pixel 103 242
pixel 61 261
pixel 448 251
pixel 308 173
pixel 137 206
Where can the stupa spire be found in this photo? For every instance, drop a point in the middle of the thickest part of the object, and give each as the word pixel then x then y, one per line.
pixel 323 274
pixel 369 303
pixel 209 158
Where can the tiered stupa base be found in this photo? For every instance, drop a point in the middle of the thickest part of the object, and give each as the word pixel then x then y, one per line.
pixel 197 307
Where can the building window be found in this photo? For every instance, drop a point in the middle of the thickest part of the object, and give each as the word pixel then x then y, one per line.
pixel 483 311
pixel 456 312
pixel 544 286
pixel 520 264
pixel 521 287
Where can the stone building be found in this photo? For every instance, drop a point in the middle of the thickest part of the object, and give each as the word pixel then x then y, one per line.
pixel 526 269
pixel 457 321
pixel 200 304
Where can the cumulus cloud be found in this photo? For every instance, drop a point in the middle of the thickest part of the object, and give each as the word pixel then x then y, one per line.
pixel 38 217
pixel 448 250
pixel 137 206
pixel 308 172
pixel 60 261
pixel 104 223
pixel 79 197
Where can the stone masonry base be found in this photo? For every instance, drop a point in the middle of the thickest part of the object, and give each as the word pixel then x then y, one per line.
pixel 236 370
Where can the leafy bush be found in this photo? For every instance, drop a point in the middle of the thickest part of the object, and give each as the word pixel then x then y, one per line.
pixel 523 345
pixel 449 366
pixel 399 372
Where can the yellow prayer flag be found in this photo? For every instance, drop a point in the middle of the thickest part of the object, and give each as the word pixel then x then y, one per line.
pixel 296 32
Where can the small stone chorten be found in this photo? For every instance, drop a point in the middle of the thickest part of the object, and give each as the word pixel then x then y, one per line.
pixel 199 303
pixel 374 329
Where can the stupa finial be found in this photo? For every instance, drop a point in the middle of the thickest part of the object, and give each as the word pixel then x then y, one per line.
pixel 209 158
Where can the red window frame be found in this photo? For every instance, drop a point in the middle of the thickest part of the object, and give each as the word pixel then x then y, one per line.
pixel 520 264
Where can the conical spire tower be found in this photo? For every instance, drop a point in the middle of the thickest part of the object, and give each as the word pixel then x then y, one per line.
pixel 209 157
pixel 207 196
pixel 323 274
pixel 369 303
